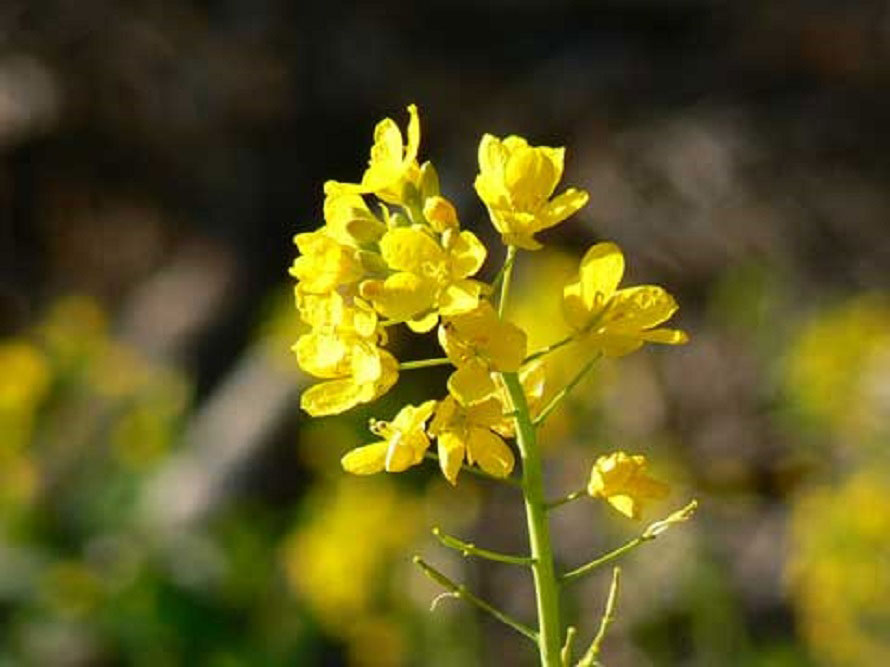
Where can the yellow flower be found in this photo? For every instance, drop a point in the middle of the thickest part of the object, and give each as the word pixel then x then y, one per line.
pixel 429 279
pixel 616 321
pixel 25 378
pixel 324 264
pixel 404 443
pixel 359 371
pixel 393 162
pixel 330 313
pixel 466 432
pixel 353 536
pixel 516 181
pixel 349 220
pixel 622 481
pixel 479 342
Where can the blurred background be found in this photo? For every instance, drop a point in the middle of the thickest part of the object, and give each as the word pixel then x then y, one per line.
pixel 163 501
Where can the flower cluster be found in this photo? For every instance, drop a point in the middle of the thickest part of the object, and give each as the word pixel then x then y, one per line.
pixel 405 259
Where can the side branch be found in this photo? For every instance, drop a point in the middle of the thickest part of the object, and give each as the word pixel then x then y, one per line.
pixel 562 393
pixel 547 350
pixel 559 502
pixel 651 532
pixel 424 363
pixel 587 568
pixel 460 591
pixel 590 658
pixel 469 549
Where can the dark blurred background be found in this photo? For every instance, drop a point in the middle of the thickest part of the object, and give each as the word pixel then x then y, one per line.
pixel 164 502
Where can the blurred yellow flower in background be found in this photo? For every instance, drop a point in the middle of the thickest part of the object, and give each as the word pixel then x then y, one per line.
pixel 516 181
pixel 339 560
pixel 24 382
pixel 622 480
pixel 838 366
pixel 838 568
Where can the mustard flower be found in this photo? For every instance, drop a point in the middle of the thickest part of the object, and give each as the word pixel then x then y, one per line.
pixel 430 278
pixel 466 433
pixel 342 347
pixel 393 162
pixel 404 443
pixel 479 342
pixel 616 321
pixel 622 481
pixel 359 372
pixel 349 220
pixel 516 182
pixel 324 264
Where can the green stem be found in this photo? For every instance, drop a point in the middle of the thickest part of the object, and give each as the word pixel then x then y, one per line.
pixel 460 591
pixel 505 284
pixel 559 502
pixel 424 363
pixel 546 589
pixel 469 549
pixel 587 568
pixel 547 350
pixel 509 481
pixel 562 393
pixel 508 264
pixel 590 658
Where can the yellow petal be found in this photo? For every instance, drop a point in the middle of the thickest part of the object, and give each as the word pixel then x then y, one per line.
pixel 471 384
pixel 507 347
pixel 322 355
pixel 459 297
pixel 601 270
pixel 401 296
pixel 413 135
pixel 440 213
pixel 424 323
pixel 330 398
pixel 491 155
pixel 562 206
pixel 349 220
pixel 490 452
pixel 626 505
pixel 467 255
pixel 411 249
pixel 365 460
pixel 366 364
pixel 640 307
pixel 451 454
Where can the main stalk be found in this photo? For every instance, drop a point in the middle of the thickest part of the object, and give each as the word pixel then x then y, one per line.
pixel 546 587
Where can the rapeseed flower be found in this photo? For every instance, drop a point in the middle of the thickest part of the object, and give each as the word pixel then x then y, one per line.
pixel 404 443
pixel 429 278
pixel 478 343
pixel 466 433
pixel 516 182
pixel 621 480
pixel 393 162
pixel 616 321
